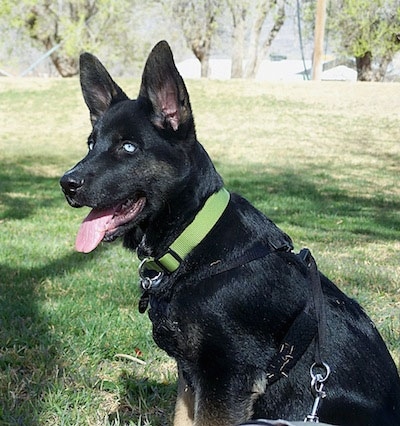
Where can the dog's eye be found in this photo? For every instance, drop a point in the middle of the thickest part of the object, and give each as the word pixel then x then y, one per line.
pixel 129 147
pixel 91 145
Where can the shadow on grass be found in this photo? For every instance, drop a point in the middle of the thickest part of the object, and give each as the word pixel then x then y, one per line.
pixel 311 200
pixel 30 360
pixel 21 192
pixel 148 400
pixel 301 195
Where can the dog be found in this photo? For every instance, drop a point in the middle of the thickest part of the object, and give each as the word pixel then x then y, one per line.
pixel 228 298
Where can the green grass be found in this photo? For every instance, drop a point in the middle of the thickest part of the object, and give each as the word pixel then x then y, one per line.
pixel 321 160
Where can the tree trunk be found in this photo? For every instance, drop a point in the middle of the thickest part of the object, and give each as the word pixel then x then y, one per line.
pixel 238 34
pixel 66 66
pixel 198 22
pixel 201 49
pixel 364 67
pixel 380 73
pixel 205 66
pixel 278 22
pixel 262 10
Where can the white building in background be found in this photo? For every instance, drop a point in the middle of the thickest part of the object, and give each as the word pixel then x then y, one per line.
pixel 282 70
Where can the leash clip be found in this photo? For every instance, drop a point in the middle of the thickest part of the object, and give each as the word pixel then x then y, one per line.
pixel 317 384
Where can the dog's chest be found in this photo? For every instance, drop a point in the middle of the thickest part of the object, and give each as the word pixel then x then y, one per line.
pixel 167 332
pixel 173 330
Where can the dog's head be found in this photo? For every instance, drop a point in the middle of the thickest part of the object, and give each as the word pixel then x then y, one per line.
pixel 139 151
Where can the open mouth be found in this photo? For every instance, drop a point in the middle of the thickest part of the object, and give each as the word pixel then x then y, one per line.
pixel 102 224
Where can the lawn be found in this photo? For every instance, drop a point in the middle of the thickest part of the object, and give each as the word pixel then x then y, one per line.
pixel 320 159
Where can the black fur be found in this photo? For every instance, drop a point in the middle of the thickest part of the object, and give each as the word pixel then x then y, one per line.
pixel 223 330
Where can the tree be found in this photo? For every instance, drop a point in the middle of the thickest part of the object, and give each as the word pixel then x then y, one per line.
pixel 198 20
pixel 368 30
pixel 255 15
pixel 239 11
pixel 73 25
pixel 257 50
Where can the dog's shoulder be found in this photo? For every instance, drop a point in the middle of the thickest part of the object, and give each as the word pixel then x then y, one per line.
pixel 248 224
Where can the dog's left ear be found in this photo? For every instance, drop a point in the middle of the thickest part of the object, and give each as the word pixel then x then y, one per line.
pixel 164 87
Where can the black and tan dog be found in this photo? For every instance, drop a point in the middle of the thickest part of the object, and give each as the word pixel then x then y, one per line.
pixel 228 298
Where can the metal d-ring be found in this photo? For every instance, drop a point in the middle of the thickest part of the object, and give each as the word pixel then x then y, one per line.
pixel 318 377
pixel 146 281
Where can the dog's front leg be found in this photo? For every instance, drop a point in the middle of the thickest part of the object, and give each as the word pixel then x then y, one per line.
pixel 218 409
pixel 184 408
pixel 209 416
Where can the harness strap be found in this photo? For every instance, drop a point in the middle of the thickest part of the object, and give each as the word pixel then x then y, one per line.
pixel 293 346
pixel 319 305
pixel 257 251
pixel 151 276
pixel 305 327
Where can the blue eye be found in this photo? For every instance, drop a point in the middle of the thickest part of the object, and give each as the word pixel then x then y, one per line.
pixel 129 147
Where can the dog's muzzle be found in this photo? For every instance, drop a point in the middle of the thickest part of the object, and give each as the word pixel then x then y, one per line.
pixel 70 184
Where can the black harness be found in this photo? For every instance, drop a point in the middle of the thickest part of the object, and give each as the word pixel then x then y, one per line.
pixel 309 324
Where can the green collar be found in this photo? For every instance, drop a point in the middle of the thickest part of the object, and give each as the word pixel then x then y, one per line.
pixel 192 235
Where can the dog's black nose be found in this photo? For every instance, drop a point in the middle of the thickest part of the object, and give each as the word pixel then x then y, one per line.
pixel 70 183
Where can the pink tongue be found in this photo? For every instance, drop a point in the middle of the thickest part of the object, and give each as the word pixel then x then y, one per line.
pixel 93 229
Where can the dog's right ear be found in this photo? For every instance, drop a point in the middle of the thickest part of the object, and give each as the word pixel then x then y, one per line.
pixel 99 90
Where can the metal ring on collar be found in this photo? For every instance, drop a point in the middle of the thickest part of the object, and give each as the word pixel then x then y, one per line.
pixel 150 280
pixel 321 378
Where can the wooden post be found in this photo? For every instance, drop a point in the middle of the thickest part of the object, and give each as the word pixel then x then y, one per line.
pixel 319 39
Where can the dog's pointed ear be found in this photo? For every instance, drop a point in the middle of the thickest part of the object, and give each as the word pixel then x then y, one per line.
pixel 98 88
pixel 164 87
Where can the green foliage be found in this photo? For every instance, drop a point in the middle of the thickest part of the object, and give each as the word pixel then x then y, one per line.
pixel 361 28
pixel 368 26
pixel 77 25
